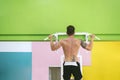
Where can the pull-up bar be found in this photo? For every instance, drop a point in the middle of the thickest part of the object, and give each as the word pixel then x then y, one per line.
pixel 77 33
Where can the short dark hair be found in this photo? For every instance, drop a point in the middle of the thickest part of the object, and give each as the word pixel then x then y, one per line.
pixel 70 30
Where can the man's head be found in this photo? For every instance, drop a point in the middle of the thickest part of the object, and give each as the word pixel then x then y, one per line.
pixel 70 30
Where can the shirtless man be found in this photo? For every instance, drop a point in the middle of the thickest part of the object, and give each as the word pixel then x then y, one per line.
pixel 70 47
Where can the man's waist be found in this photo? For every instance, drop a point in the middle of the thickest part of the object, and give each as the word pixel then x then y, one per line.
pixel 70 63
pixel 71 60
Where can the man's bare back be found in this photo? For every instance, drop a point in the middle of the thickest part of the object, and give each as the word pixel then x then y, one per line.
pixel 70 47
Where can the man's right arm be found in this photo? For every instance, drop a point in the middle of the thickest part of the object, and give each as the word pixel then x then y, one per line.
pixel 54 46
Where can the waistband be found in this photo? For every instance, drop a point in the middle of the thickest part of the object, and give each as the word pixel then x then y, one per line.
pixel 70 64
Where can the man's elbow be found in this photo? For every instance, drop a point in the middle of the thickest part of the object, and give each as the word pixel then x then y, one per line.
pixel 89 48
pixel 53 49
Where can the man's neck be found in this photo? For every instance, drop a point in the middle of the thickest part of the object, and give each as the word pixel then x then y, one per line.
pixel 72 36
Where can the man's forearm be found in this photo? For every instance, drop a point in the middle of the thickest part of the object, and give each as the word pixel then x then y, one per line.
pixel 90 45
pixel 52 44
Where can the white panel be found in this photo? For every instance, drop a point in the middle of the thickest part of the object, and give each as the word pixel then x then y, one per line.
pixel 15 46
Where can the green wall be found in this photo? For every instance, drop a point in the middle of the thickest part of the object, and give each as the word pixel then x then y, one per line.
pixel 35 19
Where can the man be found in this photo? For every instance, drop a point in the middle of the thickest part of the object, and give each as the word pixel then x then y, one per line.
pixel 71 47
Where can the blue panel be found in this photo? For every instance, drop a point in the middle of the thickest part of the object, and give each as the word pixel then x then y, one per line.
pixel 15 65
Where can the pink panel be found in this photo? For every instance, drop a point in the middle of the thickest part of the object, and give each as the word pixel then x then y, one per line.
pixel 43 57
pixel 86 57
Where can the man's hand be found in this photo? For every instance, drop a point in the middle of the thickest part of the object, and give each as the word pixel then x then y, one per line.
pixel 92 36
pixel 50 37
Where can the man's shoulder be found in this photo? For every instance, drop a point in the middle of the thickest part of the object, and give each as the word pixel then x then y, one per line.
pixel 63 39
